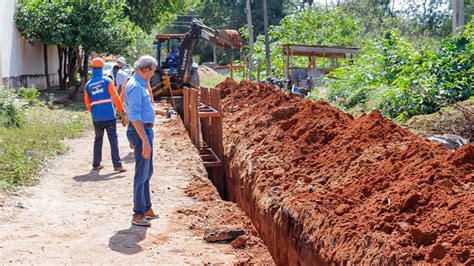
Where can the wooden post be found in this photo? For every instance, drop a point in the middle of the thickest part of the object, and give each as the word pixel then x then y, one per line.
pixel 205 120
pixel 194 117
pixel 186 109
pixel 217 145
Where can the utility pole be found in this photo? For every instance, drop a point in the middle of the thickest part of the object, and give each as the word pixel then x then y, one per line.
pixel 249 24
pixel 458 15
pixel 267 42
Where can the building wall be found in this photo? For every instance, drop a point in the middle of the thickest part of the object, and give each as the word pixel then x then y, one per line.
pixel 22 64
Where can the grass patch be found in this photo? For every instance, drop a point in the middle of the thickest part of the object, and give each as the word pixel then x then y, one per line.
pixel 25 149
pixel 212 80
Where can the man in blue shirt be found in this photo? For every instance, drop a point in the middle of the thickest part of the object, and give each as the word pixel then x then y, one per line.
pixel 141 114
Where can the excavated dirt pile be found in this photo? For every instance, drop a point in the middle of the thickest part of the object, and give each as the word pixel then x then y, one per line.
pixel 322 187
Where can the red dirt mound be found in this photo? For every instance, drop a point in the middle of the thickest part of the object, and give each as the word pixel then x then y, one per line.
pixel 322 187
pixel 227 87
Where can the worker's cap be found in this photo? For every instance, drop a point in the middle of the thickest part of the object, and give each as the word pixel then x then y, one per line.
pixel 97 62
pixel 121 60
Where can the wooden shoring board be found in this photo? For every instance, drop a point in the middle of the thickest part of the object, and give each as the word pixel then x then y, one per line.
pixel 206 122
pixel 216 140
pixel 194 119
pixel 211 158
pixel 186 108
pixel 209 114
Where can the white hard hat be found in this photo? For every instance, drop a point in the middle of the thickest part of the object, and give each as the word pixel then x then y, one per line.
pixel 121 60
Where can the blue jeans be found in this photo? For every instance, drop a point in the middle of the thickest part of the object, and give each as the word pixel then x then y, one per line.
pixel 143 170
pixel 111 127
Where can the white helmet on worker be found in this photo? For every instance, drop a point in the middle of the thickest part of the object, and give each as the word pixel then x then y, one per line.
pixel 121 60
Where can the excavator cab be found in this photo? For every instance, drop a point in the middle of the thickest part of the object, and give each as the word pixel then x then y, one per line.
pixel 167 56
pixel 167 49
pixel 174 53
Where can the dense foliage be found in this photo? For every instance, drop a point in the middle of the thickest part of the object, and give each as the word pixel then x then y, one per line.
pixel 311 27
pixel 391 75
pixel 147 14
pixel 95 26
pixel 92 26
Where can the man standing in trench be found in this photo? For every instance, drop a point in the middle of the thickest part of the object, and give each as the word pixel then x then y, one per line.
pixel 141 114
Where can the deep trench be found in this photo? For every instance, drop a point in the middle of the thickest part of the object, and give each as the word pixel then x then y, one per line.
pixel 279 230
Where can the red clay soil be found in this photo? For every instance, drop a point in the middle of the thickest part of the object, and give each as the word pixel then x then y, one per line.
pixel 322 187
pixel 214 213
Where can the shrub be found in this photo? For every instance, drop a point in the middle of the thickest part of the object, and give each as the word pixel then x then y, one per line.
pixel 12 111
pixel 30 95
pixel 390 75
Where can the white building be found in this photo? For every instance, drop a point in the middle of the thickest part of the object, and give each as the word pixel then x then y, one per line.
pixel 22 64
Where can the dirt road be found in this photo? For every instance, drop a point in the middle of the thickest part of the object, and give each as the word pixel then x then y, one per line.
pixel 78 216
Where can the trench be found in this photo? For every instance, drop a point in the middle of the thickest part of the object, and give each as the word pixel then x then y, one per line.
pixel 279 229
pixel 322 187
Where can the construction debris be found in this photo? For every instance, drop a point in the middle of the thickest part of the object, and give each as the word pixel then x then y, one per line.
pixel 223 234
pixel 239 242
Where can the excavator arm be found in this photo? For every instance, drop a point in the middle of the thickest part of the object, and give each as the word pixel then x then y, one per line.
pixel 220 38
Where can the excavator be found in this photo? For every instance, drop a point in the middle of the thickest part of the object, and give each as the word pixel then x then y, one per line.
pixel 169 80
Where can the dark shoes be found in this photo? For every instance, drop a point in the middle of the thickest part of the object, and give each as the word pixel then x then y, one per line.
pixel 120 169
pixel 140 220
pixel 98 167
pixel 151 215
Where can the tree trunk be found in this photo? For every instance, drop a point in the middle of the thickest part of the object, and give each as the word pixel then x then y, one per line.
pixel 65 62
pixel 77 54
pixel 72 66
pixel 46 72
pixel 250 29
pixel 458 15
pixel 60 69
pixel 267 41
pixel 85 69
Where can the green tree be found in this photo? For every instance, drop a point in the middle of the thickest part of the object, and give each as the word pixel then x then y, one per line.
pixel 230 14
pixel 71 26
pixel 148 13
pixel 430 16
pixel 316 26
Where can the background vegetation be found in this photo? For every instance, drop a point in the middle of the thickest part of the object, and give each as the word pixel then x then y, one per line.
pixel 31 133
pixel 402 81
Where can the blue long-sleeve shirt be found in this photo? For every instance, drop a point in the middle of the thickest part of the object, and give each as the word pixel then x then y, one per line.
pixel 138 104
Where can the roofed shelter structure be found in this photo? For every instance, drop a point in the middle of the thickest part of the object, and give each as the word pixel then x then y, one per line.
pixel 334 52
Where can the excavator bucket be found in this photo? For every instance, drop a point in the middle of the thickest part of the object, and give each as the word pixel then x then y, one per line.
pixel 229 38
